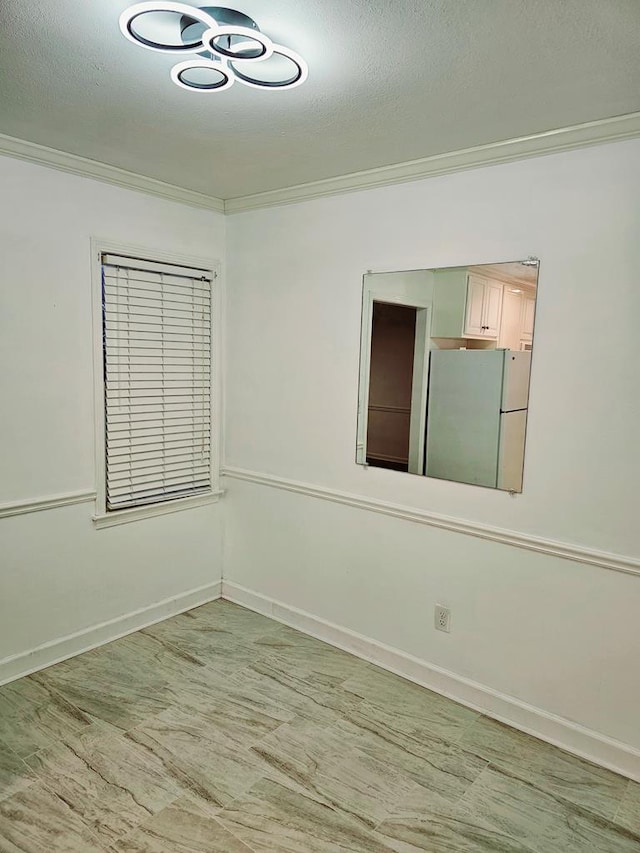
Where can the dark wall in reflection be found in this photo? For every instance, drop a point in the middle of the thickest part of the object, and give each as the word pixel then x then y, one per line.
pixel 391 375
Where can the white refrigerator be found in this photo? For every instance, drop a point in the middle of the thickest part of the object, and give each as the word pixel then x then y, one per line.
pixel 477 416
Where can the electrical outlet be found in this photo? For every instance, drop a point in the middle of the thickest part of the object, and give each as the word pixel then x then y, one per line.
pixel 442 618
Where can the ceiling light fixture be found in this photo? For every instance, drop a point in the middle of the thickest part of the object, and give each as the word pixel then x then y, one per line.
pixel 223 45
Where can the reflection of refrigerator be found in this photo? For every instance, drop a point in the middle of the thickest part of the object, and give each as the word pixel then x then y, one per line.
pixel 477 416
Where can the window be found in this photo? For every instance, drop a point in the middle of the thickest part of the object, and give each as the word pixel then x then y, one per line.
pixel 156 384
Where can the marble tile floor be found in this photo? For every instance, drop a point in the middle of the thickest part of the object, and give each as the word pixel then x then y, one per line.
pixel 221 731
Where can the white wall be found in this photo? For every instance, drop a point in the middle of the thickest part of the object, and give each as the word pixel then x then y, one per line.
pixel 57 574
pixel 559 635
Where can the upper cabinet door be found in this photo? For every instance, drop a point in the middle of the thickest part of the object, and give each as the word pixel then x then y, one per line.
pixel 484 308
pixel 510 322
pixel 492 309
pixel 528 312
pixel 474 322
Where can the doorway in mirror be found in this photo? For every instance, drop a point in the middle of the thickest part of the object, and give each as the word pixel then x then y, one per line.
pixel 393 333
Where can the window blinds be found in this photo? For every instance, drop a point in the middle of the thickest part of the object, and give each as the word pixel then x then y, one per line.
pixel 157 381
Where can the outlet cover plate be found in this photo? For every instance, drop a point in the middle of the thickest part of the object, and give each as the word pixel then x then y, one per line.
pixel 442 618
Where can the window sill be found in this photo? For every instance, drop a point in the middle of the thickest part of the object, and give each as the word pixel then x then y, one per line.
pixel 124 516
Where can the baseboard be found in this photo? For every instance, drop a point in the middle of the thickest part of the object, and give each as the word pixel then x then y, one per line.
pixel 563 733
pixel 74 644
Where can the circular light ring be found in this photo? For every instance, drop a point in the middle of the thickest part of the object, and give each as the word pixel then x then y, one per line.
pixel 178 70
pixel 297 79
pixel 129 16
pixel 224 16
pixel 253 36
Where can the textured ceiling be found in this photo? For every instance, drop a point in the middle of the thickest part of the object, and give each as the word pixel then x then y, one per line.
pixel 389 81
pixel 515 272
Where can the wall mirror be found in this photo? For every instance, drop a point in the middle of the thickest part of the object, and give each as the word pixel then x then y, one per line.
pixel 445 358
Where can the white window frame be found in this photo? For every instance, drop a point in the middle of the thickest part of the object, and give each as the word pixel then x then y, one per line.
pixel 102 517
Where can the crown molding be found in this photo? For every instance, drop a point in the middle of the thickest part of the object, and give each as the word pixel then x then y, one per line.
pixel 64 162
pixel 563 550
pixel 509 150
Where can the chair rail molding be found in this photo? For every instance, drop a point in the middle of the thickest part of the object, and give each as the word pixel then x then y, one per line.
pixel 563 550
pixel 49 502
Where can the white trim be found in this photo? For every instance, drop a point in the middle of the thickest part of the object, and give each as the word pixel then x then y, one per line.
pixel 137 513
pixel 49 502
pixel 99 246
pixel 17 666
pixel 563 550
pixel 419 391
pixel 133 250
pixel 563 733
pixel 506 151
pixel 71 163
pixel 219 367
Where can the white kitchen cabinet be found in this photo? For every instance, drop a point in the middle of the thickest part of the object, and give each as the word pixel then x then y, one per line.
pixel 516 325
pixel 528 314
pixel 511 321
pixel 465 305
pixel 474 316
pixel 492 308
pixel 484 307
